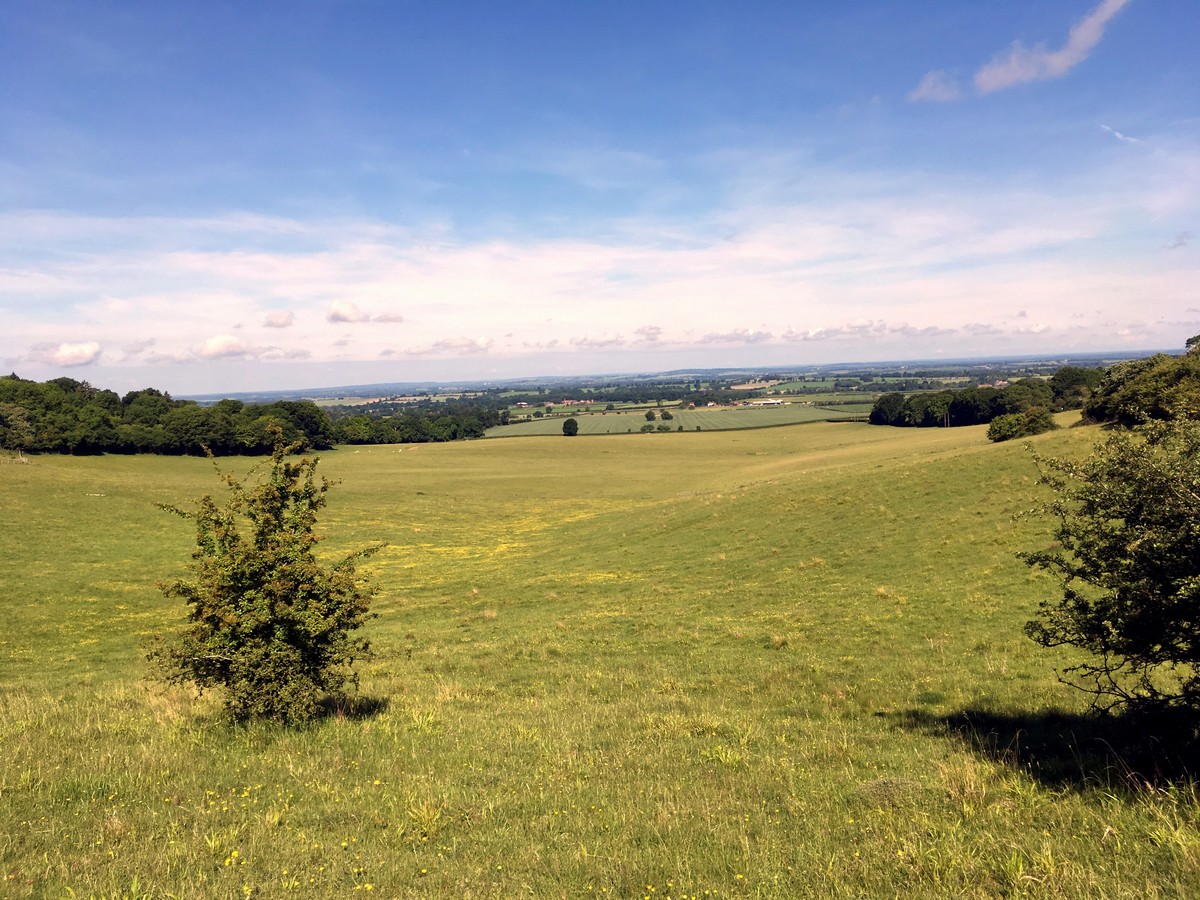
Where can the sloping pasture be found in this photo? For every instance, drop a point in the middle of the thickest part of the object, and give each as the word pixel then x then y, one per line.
pixel 726 664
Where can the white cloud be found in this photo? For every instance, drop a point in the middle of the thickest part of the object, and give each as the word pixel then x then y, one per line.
pixel 935 87
pixel 224 346
pixel 345 311
pixel 71 355
pixel 1022 64
pixel 280 318
pixel 823 264
pixel 737 336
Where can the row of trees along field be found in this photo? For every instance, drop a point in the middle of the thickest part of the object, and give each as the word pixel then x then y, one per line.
pixel 68 416
pixel 426 422
pixel 1068 388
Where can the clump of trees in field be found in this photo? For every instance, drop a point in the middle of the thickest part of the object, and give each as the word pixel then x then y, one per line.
pixel 268 624
pixel 68 416
pixel 1016 410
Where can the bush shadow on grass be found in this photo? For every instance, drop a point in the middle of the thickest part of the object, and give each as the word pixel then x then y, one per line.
pixel 1074 750
pixel 354 707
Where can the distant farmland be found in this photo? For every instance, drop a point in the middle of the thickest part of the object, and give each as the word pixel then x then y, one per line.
pixel 712 419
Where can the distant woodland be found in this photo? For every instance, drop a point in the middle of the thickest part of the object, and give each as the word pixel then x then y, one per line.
pixel 68 416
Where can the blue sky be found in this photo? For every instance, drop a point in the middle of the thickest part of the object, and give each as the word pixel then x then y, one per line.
pixel 210 197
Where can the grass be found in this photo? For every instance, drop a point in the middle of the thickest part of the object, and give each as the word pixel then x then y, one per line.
pixel 772 663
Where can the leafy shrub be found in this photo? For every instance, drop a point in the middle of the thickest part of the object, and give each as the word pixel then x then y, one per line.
pixel 1128 561
pixel 1036 420
pixel 269 625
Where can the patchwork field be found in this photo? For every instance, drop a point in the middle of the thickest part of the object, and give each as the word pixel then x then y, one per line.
pixel 735 664
pixel 716 419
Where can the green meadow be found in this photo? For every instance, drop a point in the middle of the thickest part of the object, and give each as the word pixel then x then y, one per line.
pixel 784 662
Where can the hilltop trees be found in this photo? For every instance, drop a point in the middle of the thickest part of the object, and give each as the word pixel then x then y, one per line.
pixel 68 416
pixel 268 623
pixel 1127 559
pixel 1159 387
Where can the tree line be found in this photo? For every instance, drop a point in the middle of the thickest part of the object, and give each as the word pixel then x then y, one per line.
pixel 68 416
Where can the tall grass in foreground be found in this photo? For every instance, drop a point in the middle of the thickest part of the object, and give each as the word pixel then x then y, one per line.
pixel 735 665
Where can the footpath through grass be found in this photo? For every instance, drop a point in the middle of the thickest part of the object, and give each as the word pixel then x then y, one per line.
pixel 730 665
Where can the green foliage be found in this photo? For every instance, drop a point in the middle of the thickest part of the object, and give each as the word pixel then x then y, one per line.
pixel 1160 387
pixel 67 416
pixel 968 406
pixel 650 415
pixel 1073 385
pixel 570 427
pixel 269 625
pixel 1035 420
pixel 1128 562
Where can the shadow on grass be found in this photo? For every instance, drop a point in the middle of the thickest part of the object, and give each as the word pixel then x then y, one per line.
pixel 1074 750
pixel 356 707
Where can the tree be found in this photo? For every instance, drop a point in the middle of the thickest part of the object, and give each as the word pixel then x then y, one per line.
pixel 650 416
pixel 570 427
pixel 888 410
pixel 268 623
pixel 1127 558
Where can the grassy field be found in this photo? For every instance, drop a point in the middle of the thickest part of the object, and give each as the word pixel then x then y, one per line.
pixel 714 419
pixel 737 664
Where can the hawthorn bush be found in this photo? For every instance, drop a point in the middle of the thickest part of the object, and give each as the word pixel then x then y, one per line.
pixel 1127 559
pixel 269 625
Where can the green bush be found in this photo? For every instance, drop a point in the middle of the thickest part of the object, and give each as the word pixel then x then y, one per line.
pixel 1127 557
pixel 269 625
pixel 1036 420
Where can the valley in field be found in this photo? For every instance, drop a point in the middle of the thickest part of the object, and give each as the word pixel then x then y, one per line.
pixel 766 663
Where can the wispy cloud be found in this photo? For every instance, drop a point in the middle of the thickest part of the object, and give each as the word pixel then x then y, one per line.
pixel 1021 64
pixel 936 87
pixel 737 336
pixel 782 267
pixel 1122 137
pixel 453 347
pixel 1180 241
